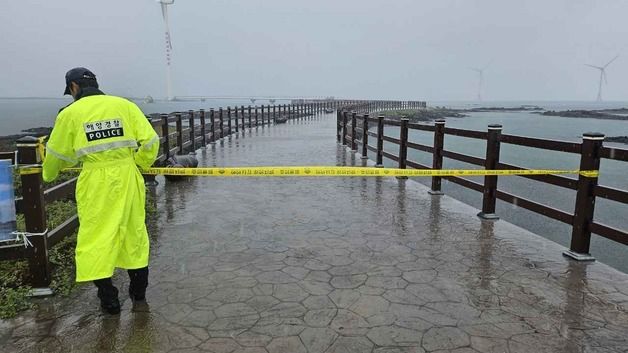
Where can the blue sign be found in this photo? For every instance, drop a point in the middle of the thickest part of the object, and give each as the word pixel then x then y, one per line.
pixel 7 201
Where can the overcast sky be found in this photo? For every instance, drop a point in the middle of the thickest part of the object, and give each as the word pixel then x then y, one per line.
pixel 407 49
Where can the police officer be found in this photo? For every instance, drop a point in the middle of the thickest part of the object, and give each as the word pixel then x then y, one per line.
pixel 113 140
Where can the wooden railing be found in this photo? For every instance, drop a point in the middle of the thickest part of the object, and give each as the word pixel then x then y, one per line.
pixel 180 133
pixel 354 129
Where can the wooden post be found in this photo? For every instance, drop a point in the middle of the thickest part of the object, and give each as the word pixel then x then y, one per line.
pixel 437 156
pixel 403 144
pixel 344 128
pixel 203 132
pixel 585 199
pixel 212 126
pixel 338 126
pixel 379 163
pixel 192 131
pixel 229 121
pixel 165 132
pixel 250 116
pixel 256 117
pixel 34 217
pixel 237 123
pixel 491 162
pixel 262 115
pixel 221 123
pixel 365 136
pixel 354 145
pixel 179 134
pixel 274 113
pixel 243 123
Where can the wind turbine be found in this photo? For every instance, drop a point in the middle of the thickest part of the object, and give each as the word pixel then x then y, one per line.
pixel 164 11
pixel 481 81
pixel 602 76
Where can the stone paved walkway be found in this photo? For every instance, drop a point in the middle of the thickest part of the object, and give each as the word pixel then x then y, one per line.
pixel 335 265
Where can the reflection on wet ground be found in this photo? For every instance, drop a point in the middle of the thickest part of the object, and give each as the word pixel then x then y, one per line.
pixel 335 265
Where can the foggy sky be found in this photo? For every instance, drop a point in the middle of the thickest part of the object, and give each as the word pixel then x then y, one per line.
pixel 406 49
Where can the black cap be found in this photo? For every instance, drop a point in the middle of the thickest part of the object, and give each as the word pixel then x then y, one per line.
pixel 77 73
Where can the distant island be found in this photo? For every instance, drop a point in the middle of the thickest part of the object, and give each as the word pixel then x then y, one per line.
pixel 610 114
pixel 522 108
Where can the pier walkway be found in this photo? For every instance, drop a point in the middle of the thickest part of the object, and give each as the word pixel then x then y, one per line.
pixel 335 265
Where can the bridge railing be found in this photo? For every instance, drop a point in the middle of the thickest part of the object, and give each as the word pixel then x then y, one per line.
pixel 179 133
pixel 361 129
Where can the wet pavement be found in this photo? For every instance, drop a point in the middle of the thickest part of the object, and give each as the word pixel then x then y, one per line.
pixel 335 265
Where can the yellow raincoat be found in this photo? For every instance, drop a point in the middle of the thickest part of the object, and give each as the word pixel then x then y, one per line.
pixel 112 138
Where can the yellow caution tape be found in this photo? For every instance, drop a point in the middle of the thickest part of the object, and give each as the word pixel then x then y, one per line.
pixel 41 147
pixel 324 171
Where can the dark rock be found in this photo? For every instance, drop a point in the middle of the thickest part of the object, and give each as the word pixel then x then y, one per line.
pixel 7 143
pixel 591 114
pixel 522 108
pixel 618 139
pixel 178 161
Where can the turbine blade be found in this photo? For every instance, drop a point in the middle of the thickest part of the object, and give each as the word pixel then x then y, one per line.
pixel 608 63
pixel 604 75
pixel 595 67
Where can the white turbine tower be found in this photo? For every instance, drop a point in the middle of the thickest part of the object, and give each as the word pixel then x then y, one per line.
pixel 481 80
pixel 602 76
pixel 164 11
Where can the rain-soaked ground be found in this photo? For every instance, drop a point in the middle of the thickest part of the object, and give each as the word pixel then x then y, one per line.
pixel 335 265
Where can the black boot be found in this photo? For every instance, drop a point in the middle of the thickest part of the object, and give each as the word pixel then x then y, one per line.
pixel 139 282
pixel 108 295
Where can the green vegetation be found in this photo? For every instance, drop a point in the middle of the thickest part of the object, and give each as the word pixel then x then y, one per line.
pixel 14 275
pixel 14 288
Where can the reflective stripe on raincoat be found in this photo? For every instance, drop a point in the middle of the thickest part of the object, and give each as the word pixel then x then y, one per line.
pixel 111 137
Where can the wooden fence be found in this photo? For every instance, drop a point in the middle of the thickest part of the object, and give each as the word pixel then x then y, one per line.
pixel 180 133
pixel 355 129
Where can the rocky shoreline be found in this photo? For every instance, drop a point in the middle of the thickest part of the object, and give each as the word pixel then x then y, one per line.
pixel 7 143
pixel 431 114
pixel 617 139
